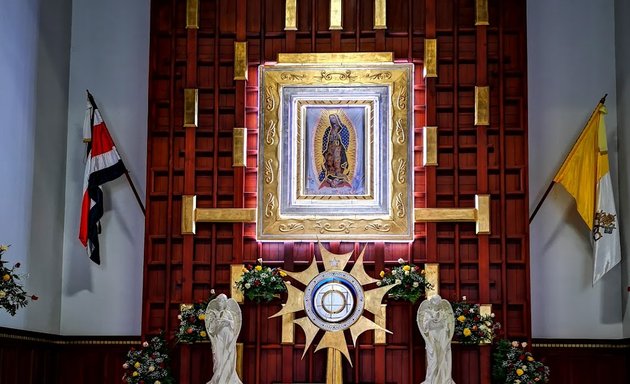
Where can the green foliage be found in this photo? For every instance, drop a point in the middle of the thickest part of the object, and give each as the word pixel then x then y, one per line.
pixel 470 326
pixel 12 294
pixel 410 279
pixel 149 364
pixel 192 325
pixel 513 365
pixel 259 283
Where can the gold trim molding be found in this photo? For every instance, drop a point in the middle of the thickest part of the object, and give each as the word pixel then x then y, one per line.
pixel 290 15
pixel 482 105
pixel 429 146
pixel 192 14
pixel 335 58
pixel 236 271
pixel 432 274
pixel 192 215
pixel 239 360
pixel 239 147
pixel 480 214
pixel 430 58
pixel 288 329
pixel 380 15
pixel 191 107
pixel 380 336
pixel 482 205
pixel 189 203
pixel 481 12
pixel 336 15
pixel 240 60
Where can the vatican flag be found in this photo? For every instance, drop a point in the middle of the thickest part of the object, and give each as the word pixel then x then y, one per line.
pixel 585 174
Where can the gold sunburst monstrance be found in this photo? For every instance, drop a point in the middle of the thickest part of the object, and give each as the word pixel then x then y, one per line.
pixel 334 301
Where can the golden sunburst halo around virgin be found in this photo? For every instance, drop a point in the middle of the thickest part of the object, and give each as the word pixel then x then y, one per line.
pixel 334 301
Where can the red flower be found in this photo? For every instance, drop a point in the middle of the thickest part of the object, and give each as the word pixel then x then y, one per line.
pixel 189 331
pixel 33 297
pixel 17 265
pixel 521 357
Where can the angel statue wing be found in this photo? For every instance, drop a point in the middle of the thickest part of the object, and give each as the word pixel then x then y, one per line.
pixel 220 309
pixel 235 310
pixel 445 307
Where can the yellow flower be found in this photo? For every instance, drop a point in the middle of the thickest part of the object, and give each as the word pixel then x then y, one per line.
pixel 530 358
pixel 203 334
pixel 6 277
pixel 202 317
pixel 135 373
pixel 244 270
pixel 422 272
pixel 382 274
pixel 283 273
pixel 467 332
pixel 519 372
pixel 136 365
pixel 406 268
pixel 258 268
pixel 461 318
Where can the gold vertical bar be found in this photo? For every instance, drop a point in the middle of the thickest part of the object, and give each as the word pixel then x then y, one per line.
pixel 336 14
pixel 432 274
pixel 485 310
pixel 288 329
pixel 290 15
pixel 189 205
pixel 481 12
pixel 482 205
pixel 429 146
pixel 380 337
pixel 240 60
pixel 239 147
pixel 192 14
pixel 334 373
pixel 191 107
pixel 236 271
pixel 239 360
pixel 482 105
pixel 430 58
pixel 380 14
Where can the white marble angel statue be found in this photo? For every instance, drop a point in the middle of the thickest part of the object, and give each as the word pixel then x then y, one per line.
pixel 437 324
pixel 223 323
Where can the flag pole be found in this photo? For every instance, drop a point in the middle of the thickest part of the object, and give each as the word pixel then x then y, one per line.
pixel 129 181
pixel 602 101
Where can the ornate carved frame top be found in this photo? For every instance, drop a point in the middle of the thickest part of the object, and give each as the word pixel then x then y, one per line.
pixel 335 156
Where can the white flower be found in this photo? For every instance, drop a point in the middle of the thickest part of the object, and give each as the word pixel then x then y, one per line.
pixel 524 367
pixel 125 366
pixel 492 315
pixel 398 281
pixel 145 344
pixel 157 382
pixel 259 260
pixel 401 261
pixel 212 292
pixel 517 381
pixel 264 275
pixel 415 284
pixel 515 343
pixel 406 272
pixel 248 285
pixel 378 283
pixel 179 317
pixel 463 298
pixel 151 368
pixel 523 344
pixel 3 248
pixel 3 294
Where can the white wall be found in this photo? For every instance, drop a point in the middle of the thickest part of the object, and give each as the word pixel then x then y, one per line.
pixel 622 53
pixel 571 64
pixel 110 51
pixel 33 104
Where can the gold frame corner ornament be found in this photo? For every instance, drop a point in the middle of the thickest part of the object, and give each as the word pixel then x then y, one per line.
pixel 482 105
pixel 380 14
pixel 429 146
pixel 481 12
pixel 192 14
pixel 239 147
pixel 290 15
pixel 430 58
pixel 240 60
pixel 191 107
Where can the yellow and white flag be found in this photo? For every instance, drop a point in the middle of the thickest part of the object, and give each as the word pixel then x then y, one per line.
pixel 585 174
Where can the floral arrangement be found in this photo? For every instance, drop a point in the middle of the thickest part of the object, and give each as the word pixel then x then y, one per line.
pixel 148 365
pixel 410 279
pixel 12 294
pixel 192 326
pixel 471 327
pixel 260 283
pixel 512 365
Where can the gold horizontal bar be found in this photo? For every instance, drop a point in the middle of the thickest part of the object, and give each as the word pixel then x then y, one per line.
pixel 429 146
pixel 290 15
pixel 336 17
pixel 225 215
pixel 288 328
pixel 482 205
pixel 189 203
pixel 236 271
pixel 482 105
pixel 240 60
pixel 192 14
pixel 239 147
pixel 481 12
pixel 380 16
pixel 430 58
pixel 380 337
pixel 432 275
pixel 335 58
pixel 191 107
pixel 445 214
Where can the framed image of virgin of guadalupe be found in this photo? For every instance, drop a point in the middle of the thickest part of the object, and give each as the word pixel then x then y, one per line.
pixel 335 149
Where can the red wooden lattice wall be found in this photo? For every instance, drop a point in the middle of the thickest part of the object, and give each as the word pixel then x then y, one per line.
pixel 472 160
